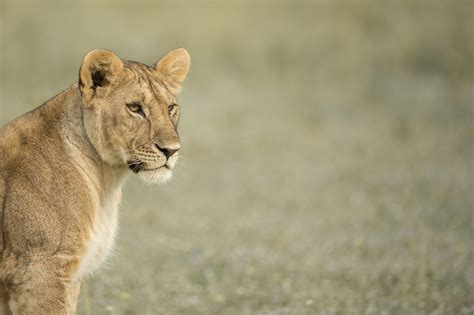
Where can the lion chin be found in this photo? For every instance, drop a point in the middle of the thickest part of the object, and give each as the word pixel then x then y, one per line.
pixel 160 175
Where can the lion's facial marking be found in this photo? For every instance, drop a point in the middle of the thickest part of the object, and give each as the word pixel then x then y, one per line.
pixel 134 112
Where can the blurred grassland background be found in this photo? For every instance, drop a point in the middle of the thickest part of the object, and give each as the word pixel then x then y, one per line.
pixel 327 162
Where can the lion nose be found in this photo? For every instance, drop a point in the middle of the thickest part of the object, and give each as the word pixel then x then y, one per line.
pixel 168 152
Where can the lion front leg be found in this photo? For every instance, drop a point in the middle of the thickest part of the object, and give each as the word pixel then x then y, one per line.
pixel 43 286
pixel 73 296
pixel 4 309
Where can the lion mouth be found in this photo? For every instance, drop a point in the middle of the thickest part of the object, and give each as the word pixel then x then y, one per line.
pixel 139 166
pixel 136 166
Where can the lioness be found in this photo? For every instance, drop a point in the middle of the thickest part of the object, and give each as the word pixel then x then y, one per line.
pixel 62 167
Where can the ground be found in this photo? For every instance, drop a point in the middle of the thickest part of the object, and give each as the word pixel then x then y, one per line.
pixel 327 162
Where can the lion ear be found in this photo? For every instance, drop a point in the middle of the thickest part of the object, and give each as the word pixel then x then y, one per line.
pixel 99 69
pixel 173 68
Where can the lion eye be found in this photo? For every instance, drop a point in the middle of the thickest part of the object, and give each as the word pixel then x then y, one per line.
pixel 171 108
pixel 136 108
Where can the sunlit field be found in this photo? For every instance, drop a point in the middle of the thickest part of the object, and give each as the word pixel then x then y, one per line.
pixel 327 161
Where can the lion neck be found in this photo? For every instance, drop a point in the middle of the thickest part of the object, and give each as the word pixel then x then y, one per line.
pixel 104 179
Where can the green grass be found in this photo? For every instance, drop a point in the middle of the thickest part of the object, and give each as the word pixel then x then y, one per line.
pixel 327 153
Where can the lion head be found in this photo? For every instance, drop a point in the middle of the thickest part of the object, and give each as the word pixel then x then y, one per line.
pixel 130 112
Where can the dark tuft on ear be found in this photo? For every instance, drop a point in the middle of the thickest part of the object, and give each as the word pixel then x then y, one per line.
pixel 98 70
pixel 98 78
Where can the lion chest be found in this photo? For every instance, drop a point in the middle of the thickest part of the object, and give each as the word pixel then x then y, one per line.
pixel 101 239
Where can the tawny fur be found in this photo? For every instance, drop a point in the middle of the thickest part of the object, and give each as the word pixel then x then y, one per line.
pixel 62 167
